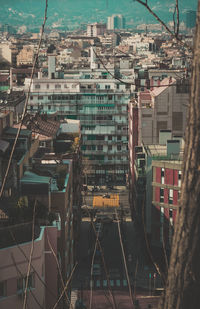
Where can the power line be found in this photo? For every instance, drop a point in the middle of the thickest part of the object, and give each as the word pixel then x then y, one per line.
pixel 18 270
pixel 65 288
pixel 104 265
pixel 124 259
pixel 34 269
pixel 30 257
pixel 58 266
pixel 26 102
pixel 92 266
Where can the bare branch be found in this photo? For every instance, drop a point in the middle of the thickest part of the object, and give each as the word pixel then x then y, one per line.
pixel 174 35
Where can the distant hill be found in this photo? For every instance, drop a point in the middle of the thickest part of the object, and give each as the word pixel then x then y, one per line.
pixel 69 13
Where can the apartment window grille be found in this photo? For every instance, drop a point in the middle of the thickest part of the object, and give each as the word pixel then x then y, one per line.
pixel 100 147
pixel 57 86
pixel 110 137
pixel 161 195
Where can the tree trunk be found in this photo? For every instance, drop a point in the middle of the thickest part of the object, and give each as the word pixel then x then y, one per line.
pixel 183 286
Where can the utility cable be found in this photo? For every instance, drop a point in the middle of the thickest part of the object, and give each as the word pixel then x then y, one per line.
pixel 58 266
pixel 124 259
pixel 104 265
pixel 26 102
pixel 92 266
pixel 66 286
pixel 34 269
pixel 30 257
pixel 21 275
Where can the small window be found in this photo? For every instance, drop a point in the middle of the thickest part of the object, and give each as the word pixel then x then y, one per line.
pixel 37 86
pixel 49 107
pixel 161 195
pixel 3 288
pixel 110 137
pixel 21 282
pixel 119 147
pixel 49 97
pixel 100 147
pixel 31 97
pixel 57 86
pixel 119 137
pixel 40 97
pixel 171 194
pixel 109 147
pixel 47 86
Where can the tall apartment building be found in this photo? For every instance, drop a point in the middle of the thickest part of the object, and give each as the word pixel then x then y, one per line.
pixel 100 103
pixel 116 22
pixel 96 29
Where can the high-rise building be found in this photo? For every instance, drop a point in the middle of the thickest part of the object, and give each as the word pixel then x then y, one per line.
pixel 116 22
pixel 96 29
pixel 190 19
pixel 100 103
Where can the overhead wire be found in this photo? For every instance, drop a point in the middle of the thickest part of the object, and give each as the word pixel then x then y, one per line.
pixel 104 265
pixel 34 269
pixel 26 102
pixel 30 256
pixel 58 266
pixel 66 286
pixel 21 275
pixel 124 259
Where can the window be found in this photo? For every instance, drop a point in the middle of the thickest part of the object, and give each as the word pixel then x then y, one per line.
pixel 109 157
pixel 21 282
pixel 171 194
pixel 57 86
pixel 49 107
pixel 107 86
pixel 109 147
pixel 37 86
pixel 119 147
pixel 47 86
pixel 162 175
pixel 3 288
pixel 49 97
pixel 110 137
pixel 40 97
pixel 110 97
pixel 179 178
pixel 31 97
pixel 118 137
pixel 118 127
pixel 161 195
pixel 100 147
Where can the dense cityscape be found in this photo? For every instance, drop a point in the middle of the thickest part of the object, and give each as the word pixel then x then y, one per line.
pixel 92 133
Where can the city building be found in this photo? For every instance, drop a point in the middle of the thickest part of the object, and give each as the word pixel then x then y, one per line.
pixel 116 22
pixel 25 56
pixel 190 19
pixel 96 29
pixel 100 103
